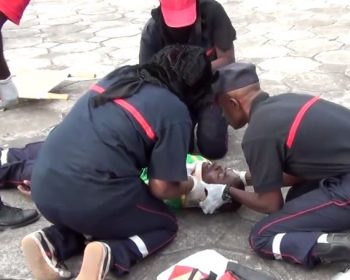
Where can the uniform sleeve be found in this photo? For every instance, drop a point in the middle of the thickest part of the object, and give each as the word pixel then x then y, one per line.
pixel 148 43
pixel 265 164
pixel 223 31
pixel 168 158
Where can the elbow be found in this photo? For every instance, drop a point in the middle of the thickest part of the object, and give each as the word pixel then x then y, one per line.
pixel 161 189
pixel 273 207
pixel 159 192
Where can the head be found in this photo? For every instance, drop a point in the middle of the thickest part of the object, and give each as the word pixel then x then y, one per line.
pixel 236 88
pixel 213 173
pixel 186 71
pixel 179 13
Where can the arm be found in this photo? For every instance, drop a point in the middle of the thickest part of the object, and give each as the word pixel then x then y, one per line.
pixel 288 180
pixel 147 44
pixel 223 58
pixel 167 190
pixel 268 202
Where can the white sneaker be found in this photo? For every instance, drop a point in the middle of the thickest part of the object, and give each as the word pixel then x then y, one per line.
pixel 8 93
pixel 41 258
pixel 96 261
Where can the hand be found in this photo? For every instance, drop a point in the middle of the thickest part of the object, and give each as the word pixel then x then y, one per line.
pixel 214 198
pixel 25 188
pixel 241 176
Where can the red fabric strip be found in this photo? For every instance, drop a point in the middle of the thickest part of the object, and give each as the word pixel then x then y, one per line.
pixel 97 88
pixel 132 110
pixel 299 117
pixel 138 117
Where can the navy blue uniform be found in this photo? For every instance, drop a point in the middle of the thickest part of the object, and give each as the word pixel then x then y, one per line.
pixel 86 179
pixel 309 138
pixel 16 164
pixel 213 29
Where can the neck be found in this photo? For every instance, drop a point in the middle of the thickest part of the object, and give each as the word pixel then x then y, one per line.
pixel 247 100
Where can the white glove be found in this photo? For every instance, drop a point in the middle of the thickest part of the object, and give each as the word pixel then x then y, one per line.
pixel 241 175
pixel 191 167
pixel 198 191
pixel 214 198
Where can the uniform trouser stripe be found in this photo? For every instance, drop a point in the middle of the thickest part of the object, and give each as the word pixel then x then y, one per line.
pixel 3 158
pixel 140 245
pixel 276 245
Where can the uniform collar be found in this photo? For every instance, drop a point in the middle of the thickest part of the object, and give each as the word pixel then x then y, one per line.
pixel 257 101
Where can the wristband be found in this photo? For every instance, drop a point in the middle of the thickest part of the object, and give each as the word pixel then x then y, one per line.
pixel 226 196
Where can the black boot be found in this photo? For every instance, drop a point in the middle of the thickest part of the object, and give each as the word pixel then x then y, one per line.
pixel 337 248
pixel 12 217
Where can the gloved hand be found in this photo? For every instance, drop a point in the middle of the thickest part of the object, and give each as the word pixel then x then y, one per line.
pixel 198 191
pixel 241 175
pixel 214 198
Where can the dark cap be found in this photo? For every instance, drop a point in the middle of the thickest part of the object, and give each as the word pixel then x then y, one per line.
pixel 235 76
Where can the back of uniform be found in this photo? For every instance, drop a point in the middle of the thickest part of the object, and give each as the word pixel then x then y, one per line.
pixel 321 142
pixel 102 150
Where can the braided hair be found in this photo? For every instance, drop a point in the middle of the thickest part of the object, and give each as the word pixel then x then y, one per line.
pixel 184 70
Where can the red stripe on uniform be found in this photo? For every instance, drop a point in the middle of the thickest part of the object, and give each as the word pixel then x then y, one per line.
pixel 209 52
pixel 138 117
pixel 299 117
pixel 132 110
pixel 97 88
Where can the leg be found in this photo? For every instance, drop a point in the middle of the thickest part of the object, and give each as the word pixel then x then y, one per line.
pixel 45 250
pixel 16 164
pixel 212 133
pixel 8 90
pixel 146 228
pixel 300 189
pixel 28 152
pixel 292 233
pixel 4 70
pixel 14 174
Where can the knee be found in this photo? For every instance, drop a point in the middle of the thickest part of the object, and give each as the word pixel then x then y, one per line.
pixel 257 241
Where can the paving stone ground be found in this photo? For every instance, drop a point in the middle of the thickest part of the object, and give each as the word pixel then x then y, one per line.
pixel 300 46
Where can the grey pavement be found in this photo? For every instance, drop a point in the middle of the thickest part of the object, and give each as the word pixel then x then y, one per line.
pixel 300 46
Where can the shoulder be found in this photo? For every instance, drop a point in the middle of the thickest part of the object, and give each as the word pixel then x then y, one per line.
pixel 211 9
pixel 165 104
pixel 149 28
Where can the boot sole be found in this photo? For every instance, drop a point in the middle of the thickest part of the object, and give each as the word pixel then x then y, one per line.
pixel 93 261
pixel 36 261
pixel 27 222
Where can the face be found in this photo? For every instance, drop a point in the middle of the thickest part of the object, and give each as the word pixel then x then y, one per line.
pixel 213 173
pixel 232 111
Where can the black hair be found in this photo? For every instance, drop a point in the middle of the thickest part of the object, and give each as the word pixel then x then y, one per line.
pixel 184 70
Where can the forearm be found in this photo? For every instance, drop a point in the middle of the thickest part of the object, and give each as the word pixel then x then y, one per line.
pixel 288 180
pixel 253 201
pixel 170 190
pixel 220 62
pixel 223 58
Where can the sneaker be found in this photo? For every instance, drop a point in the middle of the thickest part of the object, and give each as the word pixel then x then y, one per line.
pixel 336 248
pixel 13 217
pixel 96 262
pixel 8 93
pixel 41 258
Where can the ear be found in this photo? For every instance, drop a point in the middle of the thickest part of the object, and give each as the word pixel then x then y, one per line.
pixel 234 102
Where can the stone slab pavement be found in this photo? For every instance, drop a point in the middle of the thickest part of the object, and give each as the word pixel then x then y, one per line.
pixel 300 46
